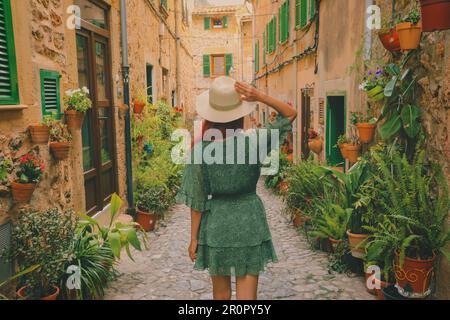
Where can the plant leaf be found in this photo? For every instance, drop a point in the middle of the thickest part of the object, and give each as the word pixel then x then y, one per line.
pixel 114 242
pixel 410 115
pixel 391 127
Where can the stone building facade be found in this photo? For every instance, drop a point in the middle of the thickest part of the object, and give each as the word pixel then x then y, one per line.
pixel 305 70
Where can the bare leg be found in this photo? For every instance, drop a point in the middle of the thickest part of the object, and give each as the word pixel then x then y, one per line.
pixel 247 287
pixel 221 287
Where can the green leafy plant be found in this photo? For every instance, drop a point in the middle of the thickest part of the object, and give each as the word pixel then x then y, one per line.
pixel 42 238
pixel 15 277
pixel 357 117
pixel 332 222
pixel 153 199
pixel 59 132
pixel 78 100
pixel 5 167
pixel 412 16
pixel 30 169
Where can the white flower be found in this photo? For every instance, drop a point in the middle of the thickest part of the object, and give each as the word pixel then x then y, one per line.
pixel 85 90
pixel 69 93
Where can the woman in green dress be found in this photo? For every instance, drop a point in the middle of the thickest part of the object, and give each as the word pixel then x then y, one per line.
pixel 230 235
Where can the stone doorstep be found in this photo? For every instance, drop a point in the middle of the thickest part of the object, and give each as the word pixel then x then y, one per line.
pixel 124 218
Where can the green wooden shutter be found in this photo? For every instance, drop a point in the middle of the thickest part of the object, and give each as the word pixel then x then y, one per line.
pixel 206 65
pixel 312 9
pixel 257 56
pixel 264 51
pixel 280 23
pixel 225 22
pixel 50 93
pixel 207 23
pixel 284 22
pixel 9 87
pixel 303 13
pixel 297 13
pixel 274 34
pixel 228 62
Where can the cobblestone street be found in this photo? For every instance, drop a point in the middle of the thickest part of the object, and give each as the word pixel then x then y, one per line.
pixel 165 271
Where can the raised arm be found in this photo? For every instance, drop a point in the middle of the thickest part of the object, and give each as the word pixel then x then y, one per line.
pixel 249 93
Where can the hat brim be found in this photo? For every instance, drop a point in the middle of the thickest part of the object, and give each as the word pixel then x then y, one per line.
pixel 207 112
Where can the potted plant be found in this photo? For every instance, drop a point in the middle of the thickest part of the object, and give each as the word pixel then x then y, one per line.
pixel 435 15
pixel 342 143
pixel 77 103
pixel 314 142
pixel 366 126
pixel 139 104
pixel 409 30
pixel 42 238
pixel 374 83
pixel 353 150
pixel 151 202
pixel 29 172
pixel 412 233
pixel 41 132
pixel 389 37
pixel 60 140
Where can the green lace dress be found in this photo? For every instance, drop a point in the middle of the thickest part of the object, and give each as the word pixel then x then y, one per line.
pixel 234 236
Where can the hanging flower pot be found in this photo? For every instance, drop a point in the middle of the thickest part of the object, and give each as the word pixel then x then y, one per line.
pixel 146 220
pixel 138 106
pixel 22 192
pixel 353 152
pixel 343 149
pixel 74 119
pixel 376 93
pixel 60 150
pixel 283 186
pixel 414 277
pixel 39 133
pixel 21 293
pixel 315 145
pixel 366 132
pixel 435 15
pixel 290 157
pixel 409 35
pixel 390 40
pixel 356 244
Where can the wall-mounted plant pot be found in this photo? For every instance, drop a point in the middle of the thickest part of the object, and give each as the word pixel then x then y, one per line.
pixel 60 150
pixel 343 149
pixel 390 40
pixel 21 293
pixel 366 132
pixel 376 93
pixel 22 192
pixel 138 106
pixel 414 278
pixel 146 220
pixel 435 15
pixel 39 133
pixel 353 152
pixel 74 119
pixel 315 145
pixel 409 35
pixel 356 244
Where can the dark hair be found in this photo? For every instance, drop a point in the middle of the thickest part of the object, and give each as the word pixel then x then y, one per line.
pixel 235 125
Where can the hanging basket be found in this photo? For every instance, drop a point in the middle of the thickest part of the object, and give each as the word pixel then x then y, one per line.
pixel 390 40
pixel 22 192
pixel 74 119
pixel 409 35
pixel 60 150
pixel 366 132
pixel 315 145
pixel 39 133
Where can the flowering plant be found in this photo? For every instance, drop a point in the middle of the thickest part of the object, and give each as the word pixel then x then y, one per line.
pixel 59 132
pixel 30 169
pixel 312 134
pixel 78 100
pixel 375 77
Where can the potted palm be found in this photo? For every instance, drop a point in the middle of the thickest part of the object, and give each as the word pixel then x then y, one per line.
pixel 60 140
pixel 77 103
pixel 42 238
pixel 40 132
pixel 29 172
pixel 409 30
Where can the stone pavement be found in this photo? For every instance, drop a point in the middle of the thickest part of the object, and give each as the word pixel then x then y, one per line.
pixel 166 272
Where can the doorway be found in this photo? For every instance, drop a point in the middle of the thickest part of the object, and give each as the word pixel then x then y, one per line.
pixel 306 123
pixel 94 72
pixel 336 123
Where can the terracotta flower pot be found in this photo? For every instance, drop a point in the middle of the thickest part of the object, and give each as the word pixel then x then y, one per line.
pixel 74 119
pixel 334 243
pixel 298 221
pixel 138 106
pixel 146 220
pixel 290 157
pixel 60 150
pixel 39 133
pixel 283 186
pixel 390 40
pixel 409 35
pixel 435 15
pixel 22 192
pixel 353 152
pixel 355 240
pixel 366 132
pixel 343 148
pixel 315 145
pixel 21 293
pixel 414 278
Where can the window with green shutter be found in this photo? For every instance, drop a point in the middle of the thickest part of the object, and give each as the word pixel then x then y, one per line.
pixel 272 35
pixel 207 23
pixel 50 93
pixel 9 87
pixel 303 13
pixel 206 66
pixel 312 9
pixel 283 22
pixel 297 14
pixel 257 56
pixel 264 51
pixel 228 63
pixel 225 22
pixel 164 4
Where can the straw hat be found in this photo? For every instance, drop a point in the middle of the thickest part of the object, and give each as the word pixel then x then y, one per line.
pixel 221 103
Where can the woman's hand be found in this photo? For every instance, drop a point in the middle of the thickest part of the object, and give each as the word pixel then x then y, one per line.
pixel 192 250
pixel 247 92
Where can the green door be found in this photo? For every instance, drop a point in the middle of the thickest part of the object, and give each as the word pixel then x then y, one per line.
pixel 335 128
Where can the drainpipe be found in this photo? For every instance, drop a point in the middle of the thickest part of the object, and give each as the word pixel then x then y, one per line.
pixel 295 131
pixel 177 54
pixel 126 100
